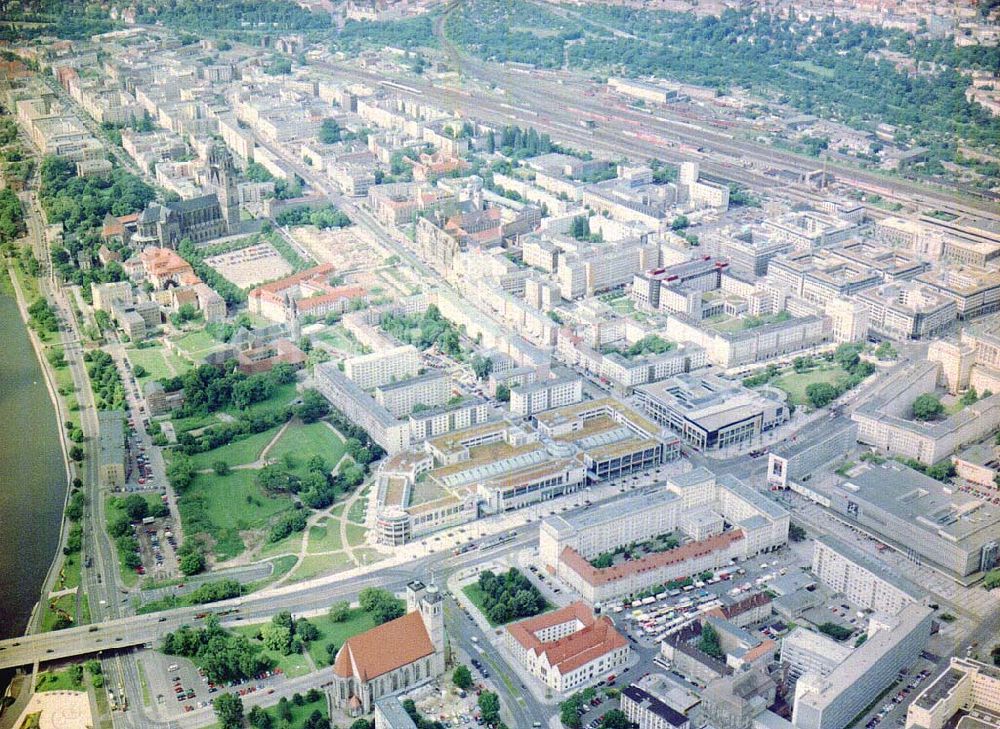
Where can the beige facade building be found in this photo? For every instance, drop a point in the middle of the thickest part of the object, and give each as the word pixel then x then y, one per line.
pixel 863 581
pixel 568 649
pixel 382 368
pixel 966 685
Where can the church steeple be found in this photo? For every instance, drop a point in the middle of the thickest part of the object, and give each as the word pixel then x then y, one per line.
pixel 222 176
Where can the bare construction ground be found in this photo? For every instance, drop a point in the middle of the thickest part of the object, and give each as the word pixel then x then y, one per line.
pixel 251 265
pixel 348 249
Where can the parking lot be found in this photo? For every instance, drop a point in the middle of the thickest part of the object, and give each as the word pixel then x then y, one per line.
pixel 177 686
pixel 158 549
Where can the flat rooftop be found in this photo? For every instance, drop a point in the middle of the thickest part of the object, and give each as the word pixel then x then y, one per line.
pixel 927 504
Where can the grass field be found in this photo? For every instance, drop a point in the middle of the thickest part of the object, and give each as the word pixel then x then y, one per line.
pixel 366 555
pixel 325 536
pixel 355 534
pixel 225 505
pixel 58 681
pixel 795 384
pixel 299 713
pixel 293 665
pixel 55 608
pixel 357 621
pixel 316 565
pixel 337 338
pixel 288 545
pixel 183 425
pixel 235 501
pixel 283 395
pixel 155 361
pixel 197 344
pixel 305 441
pixel 356 514
pixel 70 573
pixel 236 453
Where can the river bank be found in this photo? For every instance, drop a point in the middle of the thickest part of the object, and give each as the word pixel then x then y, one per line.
pixel 35 469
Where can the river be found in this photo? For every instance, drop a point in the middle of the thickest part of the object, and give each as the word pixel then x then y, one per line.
pixel 32 474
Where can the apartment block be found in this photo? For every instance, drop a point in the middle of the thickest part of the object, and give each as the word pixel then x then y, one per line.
pixel 526 400
pixel 861 579
pixel 414 395
pixel 966 685
pixel 807 651
pixel 832 701
pixel 383 368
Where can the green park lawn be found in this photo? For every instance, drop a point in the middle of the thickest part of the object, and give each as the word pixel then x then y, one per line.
pixel 358 621
pixel 299 713
pixel 337 338
pixel 197 344
pixel 155 361
pixel 293 665
pixel 795 384
pixel 304 441
pixel 222 506
pixel 325 536
pixel 70 573
pixel 316 565
pixel 283 395
pixel 58 681
pixel 355 534
pixel 54 608
pixel 194 422
pixel 237 453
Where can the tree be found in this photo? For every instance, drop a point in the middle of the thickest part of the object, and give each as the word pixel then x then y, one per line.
pixel 381 604
pixel 680 223
pixel 709 642
pixel 615 719
pixel 796 533
pixel 221 468
pixel 969 397
pixel 340 611
pixel 927 407
pixel 76 453
pixel 568 714
pixel 192 563
pixel 821 394
pixel 462 677
pixel 885 351
pixel 482 366
pixel 846 355
pixel 229 710
pixel 503 392
pixel 837 632
pixel 329 131
pixel 284 709
pixel 277 638
pixel 314 406
pixel 489 707
pixel 136 507
pixel 260 719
